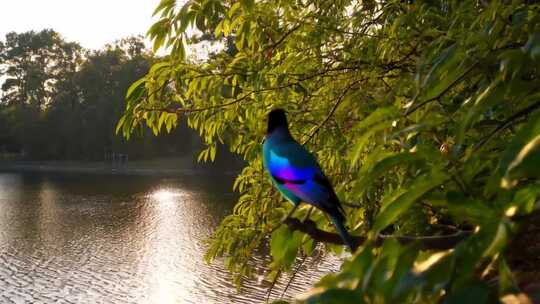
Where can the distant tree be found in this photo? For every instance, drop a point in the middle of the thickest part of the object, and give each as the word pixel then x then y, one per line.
pixel 8 141
pixel 34 63
pixel 60 101
pixel 92 103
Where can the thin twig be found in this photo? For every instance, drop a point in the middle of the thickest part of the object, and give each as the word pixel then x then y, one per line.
pixel 192 110
pixel 280 40
pixel 423 103
pixel 295 272
pixel 269 292
pixel 507 123
pixel 234 101
pixel 340 98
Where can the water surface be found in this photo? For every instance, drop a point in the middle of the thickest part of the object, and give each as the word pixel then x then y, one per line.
pixel 75 238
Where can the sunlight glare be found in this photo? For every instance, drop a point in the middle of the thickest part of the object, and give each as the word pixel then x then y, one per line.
pixel 167 197
pixel 164 195
pixel 166 286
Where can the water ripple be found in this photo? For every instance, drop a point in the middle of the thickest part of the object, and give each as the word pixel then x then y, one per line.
pixel 140 241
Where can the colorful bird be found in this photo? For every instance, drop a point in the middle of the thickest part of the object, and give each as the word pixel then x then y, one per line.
pixel 297 175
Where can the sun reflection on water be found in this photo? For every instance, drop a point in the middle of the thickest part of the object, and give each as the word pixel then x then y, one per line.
pixel 165 249
pixel 165 195
pixel 167 198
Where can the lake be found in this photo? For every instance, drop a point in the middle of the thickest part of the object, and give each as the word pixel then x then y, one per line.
pixel 72 238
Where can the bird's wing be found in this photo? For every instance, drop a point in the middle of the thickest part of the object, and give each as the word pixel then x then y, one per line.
pixel 300 178
pixel 291 164
pixel 332 201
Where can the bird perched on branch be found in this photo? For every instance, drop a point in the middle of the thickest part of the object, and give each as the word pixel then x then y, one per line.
pixel 297 175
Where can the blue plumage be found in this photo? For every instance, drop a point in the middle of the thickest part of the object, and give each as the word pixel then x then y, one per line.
pixel 297 175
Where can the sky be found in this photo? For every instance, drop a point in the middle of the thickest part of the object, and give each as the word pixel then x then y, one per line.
pixel 92 23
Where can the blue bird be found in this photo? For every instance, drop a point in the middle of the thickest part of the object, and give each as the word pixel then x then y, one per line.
pixel 297 175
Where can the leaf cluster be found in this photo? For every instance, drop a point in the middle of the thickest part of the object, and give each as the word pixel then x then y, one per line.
pixel 423 112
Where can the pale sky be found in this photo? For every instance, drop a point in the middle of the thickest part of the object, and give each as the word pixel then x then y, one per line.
pixel 92 23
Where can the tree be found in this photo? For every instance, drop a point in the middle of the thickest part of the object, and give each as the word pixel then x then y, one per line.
pixel 422 112
pixel 91 100
pixel 34 63
pixel 62 102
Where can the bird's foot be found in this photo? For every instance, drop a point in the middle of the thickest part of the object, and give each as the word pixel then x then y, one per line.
pixel 288 216
pixel 308 214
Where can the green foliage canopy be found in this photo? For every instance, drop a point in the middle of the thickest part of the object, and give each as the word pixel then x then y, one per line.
pixel 422 112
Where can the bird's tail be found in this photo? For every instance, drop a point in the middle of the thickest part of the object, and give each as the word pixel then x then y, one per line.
pixel 338 222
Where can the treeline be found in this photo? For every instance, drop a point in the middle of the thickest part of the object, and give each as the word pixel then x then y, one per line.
pixel 60 101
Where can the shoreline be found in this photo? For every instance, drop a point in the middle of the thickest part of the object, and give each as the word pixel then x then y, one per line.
pixel 104 168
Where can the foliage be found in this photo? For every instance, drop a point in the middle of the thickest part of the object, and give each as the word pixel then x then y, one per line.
pixel 423 112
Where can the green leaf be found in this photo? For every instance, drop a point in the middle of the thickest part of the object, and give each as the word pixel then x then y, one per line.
pixel 136 89
pixel 213 150
pixel 525 199
pixel 484 244
pixel 447 68
pixel 487 99
pixel 120 124
pixel 382 167
pixel 525 134
pixel 416 190
pixel 248 4
pixel 533 47
pixel 162 117
pixel 437 275
pixel 507 282
pixel 332 296
pixel 308 246
pixel 464 209
pixel 165 5
pixel 380 114
pixel 474 292
pixel 526 164
pixel 363 140
pixel 156 67
pixel 500 239
pixel 284 246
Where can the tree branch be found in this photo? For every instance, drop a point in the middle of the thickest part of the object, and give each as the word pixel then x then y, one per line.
pixel 338 101
pixel 179 110
pixel 277 43
pixel 456 81
pixel 507 123
pixel 442 242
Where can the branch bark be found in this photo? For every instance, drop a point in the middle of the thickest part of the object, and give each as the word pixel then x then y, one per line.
pixel 440 242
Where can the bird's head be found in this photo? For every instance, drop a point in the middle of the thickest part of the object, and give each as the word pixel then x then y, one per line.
pixel 277 119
